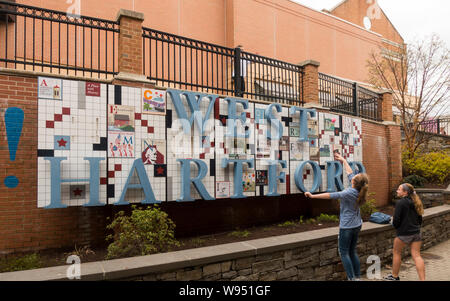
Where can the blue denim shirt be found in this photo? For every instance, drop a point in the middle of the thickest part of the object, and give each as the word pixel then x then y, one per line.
pixel 350 216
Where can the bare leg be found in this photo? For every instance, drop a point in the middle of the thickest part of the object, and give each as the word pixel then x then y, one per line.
pixel 415 254
pixel 397 256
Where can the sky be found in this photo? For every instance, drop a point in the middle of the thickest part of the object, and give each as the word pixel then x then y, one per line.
pixel 414 19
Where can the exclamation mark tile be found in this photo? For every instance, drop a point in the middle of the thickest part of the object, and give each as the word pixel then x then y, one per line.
pixel 13 123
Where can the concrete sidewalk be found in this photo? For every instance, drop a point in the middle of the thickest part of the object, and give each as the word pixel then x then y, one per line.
pixel 437 265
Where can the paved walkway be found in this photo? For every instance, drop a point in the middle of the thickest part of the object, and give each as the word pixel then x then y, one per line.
pixel 437 265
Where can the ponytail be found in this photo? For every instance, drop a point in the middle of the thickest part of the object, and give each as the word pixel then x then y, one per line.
pixel 362 196
pixel 414 197
pixel 362 185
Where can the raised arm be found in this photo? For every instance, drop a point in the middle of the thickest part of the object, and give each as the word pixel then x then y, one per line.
pixel 344 162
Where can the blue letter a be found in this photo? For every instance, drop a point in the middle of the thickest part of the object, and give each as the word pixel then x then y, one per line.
pixel 145 184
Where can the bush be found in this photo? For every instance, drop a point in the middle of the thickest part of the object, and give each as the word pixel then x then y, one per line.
pixel 415 180
pixel 432 166
pixel 325 218
pixel 27 262
pixel 144 232
pixel 368 208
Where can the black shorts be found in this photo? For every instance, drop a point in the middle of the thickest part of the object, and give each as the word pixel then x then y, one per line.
pixel 407 239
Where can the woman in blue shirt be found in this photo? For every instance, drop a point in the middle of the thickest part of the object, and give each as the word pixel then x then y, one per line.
pixel 350 221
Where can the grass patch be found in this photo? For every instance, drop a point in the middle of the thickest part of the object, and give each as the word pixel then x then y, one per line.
pixel 287 224
pixel 310 221
pixel 197 241
pixel 325 218
pixel 239 233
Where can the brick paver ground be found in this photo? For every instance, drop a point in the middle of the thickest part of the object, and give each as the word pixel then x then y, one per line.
pixel 437 265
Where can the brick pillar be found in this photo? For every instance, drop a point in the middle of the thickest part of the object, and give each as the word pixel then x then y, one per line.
pixel 393 135
pixel 385 107
pixel 130 45
pixel 310 81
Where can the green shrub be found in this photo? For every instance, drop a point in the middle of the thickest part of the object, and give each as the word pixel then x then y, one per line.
pixel 146 231
pixel 415 180
pixel 368 208
pixel 300 221
pixel 433 166
pixel 16 263
pixel 324 218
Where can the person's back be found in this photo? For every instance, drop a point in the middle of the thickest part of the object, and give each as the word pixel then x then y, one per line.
pixel 406 219
pixel 349 213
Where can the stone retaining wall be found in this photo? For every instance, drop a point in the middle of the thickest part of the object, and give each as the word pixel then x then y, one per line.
pixel 311 255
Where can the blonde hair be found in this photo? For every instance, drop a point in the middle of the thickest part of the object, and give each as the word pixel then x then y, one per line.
pixel 414 197
pixel 361 182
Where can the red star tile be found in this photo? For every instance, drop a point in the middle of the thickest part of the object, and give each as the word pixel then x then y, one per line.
pixel 62 143
pixel 144 122
pixel 202 156
pixel 117 167
pixel 111 174
pixel 50 124
pixel 150 130
pixel 103 181
pixel 77 192
pixel 137 116
pixel 160 170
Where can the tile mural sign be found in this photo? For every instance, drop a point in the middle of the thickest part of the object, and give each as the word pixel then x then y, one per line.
pixel 134 145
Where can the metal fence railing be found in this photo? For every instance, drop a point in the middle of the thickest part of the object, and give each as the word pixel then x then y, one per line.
pixel 269 79
pixel 185 63
pixel 51 41
pixel 436 126
pixel 368 103
pixel 348 97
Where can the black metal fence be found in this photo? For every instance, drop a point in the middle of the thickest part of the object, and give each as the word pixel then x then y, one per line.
pixel 436 126
pixel 45 40
pixel 348 98
pixel 268 79
pixel 184 63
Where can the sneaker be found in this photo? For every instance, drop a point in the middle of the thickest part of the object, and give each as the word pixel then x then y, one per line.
pixel 391 278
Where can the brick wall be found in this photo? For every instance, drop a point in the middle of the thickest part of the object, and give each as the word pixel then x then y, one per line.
pixel 23 226
pixel 130 42
pixel 378 160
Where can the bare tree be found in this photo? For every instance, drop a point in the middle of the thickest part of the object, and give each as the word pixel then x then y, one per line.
pixel 418 75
